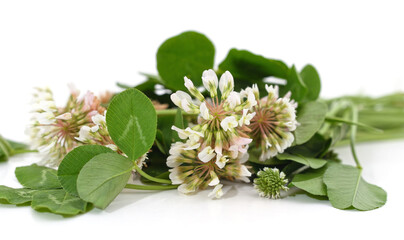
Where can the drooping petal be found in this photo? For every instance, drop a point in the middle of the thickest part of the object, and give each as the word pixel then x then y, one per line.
pixel 217 192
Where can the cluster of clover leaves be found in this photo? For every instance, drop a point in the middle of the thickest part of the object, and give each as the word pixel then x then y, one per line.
pixel 94 175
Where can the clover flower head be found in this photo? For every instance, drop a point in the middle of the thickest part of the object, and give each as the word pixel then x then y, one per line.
pixel 270 182
pixel 55 131
pixel 273 122
pixel 216 147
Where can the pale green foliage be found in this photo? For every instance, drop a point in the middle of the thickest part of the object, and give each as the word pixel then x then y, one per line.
pixel 74 161
pixel 295 85
pixel 187 54
pixel 251 67
pixel 346 188
pixel 37 177
pixel 15 196
pixel 309 161
pixel 311 182
pixel 58 201
pixel 310 117
pixel 312 80
pixel 103 178
pixel 132 122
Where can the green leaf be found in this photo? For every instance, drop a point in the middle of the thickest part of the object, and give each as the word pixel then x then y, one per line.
pixel 291 167
pixel 3 156
pixel 132 122
pixel 15 196
pixel 346 188
pixel 248 66
pixel 9 148
pixel 179 119
pixel 295 85
pixel 308 161
pixel 311 181
pixel 160 142
pixel 312 81
pixel 103 178
pixel 73 162
pixel 310 117
pixel 37 177
pixel 164 125
pixel 187 54
pixel 59 202
pixel 5 149
pixel 150 83
pixel 316 146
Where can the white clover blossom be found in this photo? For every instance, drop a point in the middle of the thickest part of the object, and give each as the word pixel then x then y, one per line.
pixel 55 131
pixel 273 122
pixel 216 147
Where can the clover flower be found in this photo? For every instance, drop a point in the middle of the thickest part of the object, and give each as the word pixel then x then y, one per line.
pixel 55 131
pixel 274 121
pixel 216 147
pixel 270 182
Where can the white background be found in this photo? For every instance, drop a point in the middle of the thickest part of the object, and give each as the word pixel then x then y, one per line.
pixel 356 46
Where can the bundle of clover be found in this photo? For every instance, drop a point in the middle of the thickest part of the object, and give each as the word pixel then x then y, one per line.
pixel 192 128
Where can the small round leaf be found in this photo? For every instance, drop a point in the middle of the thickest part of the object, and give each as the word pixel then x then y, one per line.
pixel 187 54
pixel 132 122
pixel 103 178
pixel 74 161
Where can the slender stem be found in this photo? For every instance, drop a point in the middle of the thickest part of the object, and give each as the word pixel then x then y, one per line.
pixel 150 187
pixel 173 112
pixel 6 144
pixel 21 151
pixel 147 176
pixel 4 150
pixel 353 135
pixel 297 171
pixel 5 147
pixel 341 120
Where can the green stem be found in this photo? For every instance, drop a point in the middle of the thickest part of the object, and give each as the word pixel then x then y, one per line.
pixel 353 135
pixel 5 147
pixel 150 187
pixel 147 176
pixel 361 137
pixel 21 151
pixel 297 171
pixel 359 124
pixel 173 112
